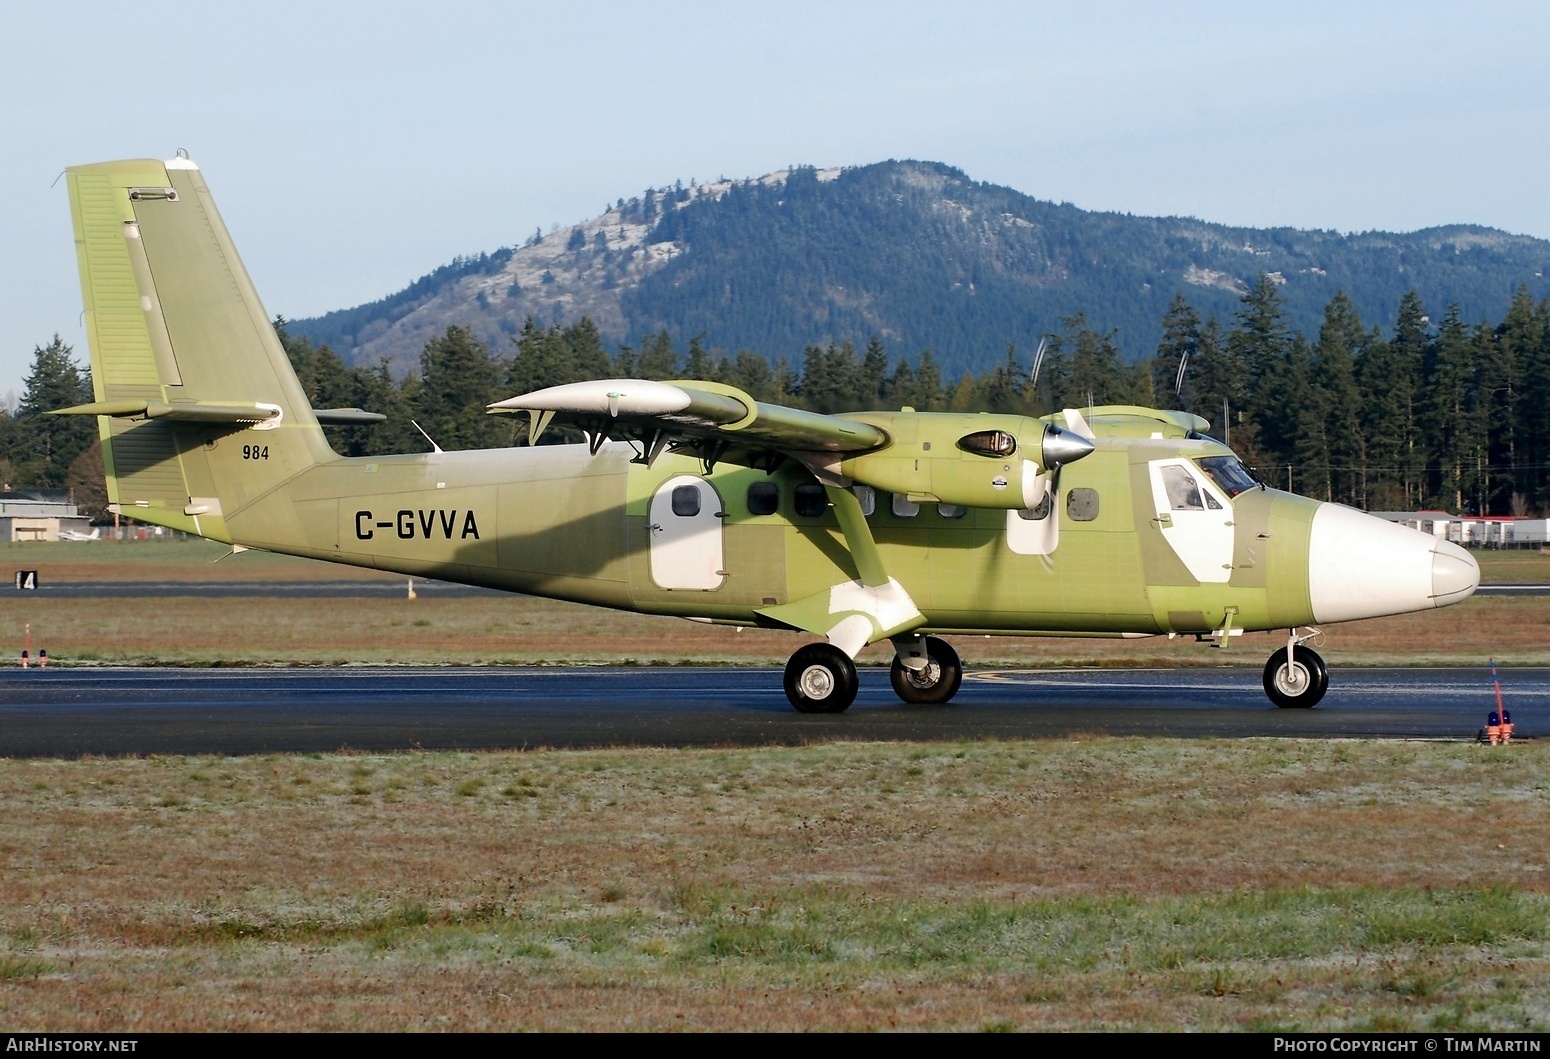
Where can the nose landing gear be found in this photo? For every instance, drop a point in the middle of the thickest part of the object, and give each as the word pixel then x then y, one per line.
pixel 1295 676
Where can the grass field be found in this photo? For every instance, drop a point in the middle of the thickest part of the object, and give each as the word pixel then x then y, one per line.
pixel 521 630
pixel 1118 884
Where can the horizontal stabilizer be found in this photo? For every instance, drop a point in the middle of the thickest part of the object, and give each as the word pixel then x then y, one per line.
pixel 181 412
pixel 347 417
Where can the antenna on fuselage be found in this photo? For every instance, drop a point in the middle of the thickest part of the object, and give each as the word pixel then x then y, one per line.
pixel 435 447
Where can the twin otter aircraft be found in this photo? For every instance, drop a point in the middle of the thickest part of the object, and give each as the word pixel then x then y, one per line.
pixel 693 499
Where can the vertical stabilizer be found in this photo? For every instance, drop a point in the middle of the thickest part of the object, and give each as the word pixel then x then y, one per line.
pixel 200 414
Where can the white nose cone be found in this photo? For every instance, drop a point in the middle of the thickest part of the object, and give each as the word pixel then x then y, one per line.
pixel 1363 567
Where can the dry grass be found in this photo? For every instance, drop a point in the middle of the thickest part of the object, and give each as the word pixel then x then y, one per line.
pixel 1108 883
pixel 169 560
pixel 518 630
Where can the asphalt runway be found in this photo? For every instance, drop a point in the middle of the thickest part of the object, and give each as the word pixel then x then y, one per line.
pixel 69 712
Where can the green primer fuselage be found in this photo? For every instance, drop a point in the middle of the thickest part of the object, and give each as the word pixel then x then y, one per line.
pixel 557 521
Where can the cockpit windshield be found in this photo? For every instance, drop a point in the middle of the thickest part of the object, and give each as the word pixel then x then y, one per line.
pixel 1228 473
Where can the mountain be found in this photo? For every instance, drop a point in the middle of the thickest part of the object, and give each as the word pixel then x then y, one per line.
pixel 923 256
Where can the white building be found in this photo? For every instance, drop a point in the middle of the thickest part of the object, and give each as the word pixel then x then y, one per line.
pixel 1491 531
pixel 39 515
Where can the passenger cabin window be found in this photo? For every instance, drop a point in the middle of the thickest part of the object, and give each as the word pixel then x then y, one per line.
pixel 1038 512
pixel 686 501
pixel 951 510
pixel 763 498
pixel 866 496
pixel 903 507
pixel 1082 504
pixel 997 444
pixel 811 500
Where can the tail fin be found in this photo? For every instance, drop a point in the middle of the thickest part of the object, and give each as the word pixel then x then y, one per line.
pixel 199 411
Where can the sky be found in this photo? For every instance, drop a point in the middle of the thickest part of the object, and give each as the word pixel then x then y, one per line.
pixel 353 147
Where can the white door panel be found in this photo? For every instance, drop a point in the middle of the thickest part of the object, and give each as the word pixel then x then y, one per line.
pixel 686 522
pixel 1195 517
pixel 1035 531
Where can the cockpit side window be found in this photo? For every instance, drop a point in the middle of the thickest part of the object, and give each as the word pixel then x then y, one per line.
pixel 1183 491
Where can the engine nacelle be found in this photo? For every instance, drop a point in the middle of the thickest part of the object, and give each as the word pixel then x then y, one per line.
pixel 991 461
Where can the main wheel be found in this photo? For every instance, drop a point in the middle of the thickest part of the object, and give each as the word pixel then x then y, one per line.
pixel 820 678
pixel 1299 685
pixel 936 683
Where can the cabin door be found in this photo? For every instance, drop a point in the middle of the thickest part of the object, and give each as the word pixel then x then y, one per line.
pixel 1195 518
pixel 686 526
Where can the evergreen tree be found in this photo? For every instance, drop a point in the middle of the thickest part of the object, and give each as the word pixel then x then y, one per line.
pixel 587 357
pixel 458 378
pixel 752 374
pixel 1389 378
pixel 374 390
pixel 1217 381
pixel 1454 428
pixel 1303 422
pixel 1084 368
pixel 658 359
pixel 830 377
pixel 1260 354
pixel 1524 339
pixel 624 362
pixel 87 481
pixel 323 375
pixel 873 374
pixel 53 442
pixel 12 450
pixel 1496 398
pixel 929 396
pixel 540 359
pixel 1003 388
pixel 697 364
pixel 1342 342
pixel 1180 345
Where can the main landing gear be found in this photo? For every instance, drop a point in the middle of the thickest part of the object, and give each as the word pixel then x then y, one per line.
pixel 1295 676
pixel 821 678
pixel 935 677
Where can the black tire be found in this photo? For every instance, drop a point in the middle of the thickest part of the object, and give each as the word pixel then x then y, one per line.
pixel 820 678
pixel 1301 687
pixel 935 684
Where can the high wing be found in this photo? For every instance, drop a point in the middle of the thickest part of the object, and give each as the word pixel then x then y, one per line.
pixel 710 420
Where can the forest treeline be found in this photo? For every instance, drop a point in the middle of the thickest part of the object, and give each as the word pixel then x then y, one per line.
pixel 1423 412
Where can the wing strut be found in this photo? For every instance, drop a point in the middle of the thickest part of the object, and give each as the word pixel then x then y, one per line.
pixel 853 614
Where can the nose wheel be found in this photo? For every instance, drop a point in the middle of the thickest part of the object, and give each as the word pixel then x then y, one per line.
pixel 820 678
pixel 1297 685
pixel 935 682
